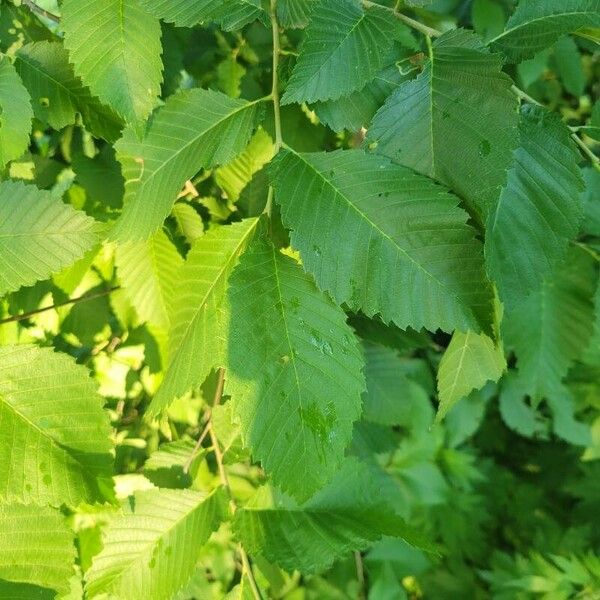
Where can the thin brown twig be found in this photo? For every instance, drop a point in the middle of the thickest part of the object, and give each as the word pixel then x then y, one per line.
pixel 225 481
pixel 37 311
pixel 194 453
pixel 34 8
pixel 360 575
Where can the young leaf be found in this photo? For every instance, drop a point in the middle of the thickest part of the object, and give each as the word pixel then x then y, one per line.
pixel 409 255
pixel 537 25
pixel 345 47
pixel 294 370
pixel 539 210
pixel 165 466
pixel 470 361
pixel 551 327
pixel 229 14
pixel 151 549
pixel 194 129
pixel 236 175
pixel 347 515
pixel 15 114
pixel 55 442
pixel 196 340
pixel 36 547
pixel 456 122
pixel 58 95
pixel 39 235
pixel 114 47
pixel 148 273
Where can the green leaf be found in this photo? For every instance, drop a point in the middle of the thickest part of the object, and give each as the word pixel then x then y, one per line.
pixel 229 14
pixel 150 550
pixel 165 467
pixel 196 339
pixel 24 591
pixel 551 327
pixel 294 14
pixel 516 412
pixel 391 397
pixel 55 442
pixel 242 591
pixel 569 66
pixel 356 110
pixel 36 547
pixel 456 122
pixel 537 25
pixel 236 175
pixel 15 114
pixel 114 47
pixel 470 361
pixel 344 48
pixel 409 255
pixel 189 222
pixel 148 272
pixel 539 210
pixel 349 514
pixel 58 95
pixel 294 370
pixel 194 129
pixel 39 235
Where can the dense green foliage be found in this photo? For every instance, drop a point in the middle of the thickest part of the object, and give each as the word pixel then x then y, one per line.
pixel 299 299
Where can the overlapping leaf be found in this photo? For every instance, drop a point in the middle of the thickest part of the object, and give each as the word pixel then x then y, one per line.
pixel 114 46
pixel 235 176
pixel 456 122
pixel 539 209
pixel 295 14
pixel 148 272
pixel 356 110
pixel 39 235
pixel 294 370
pixel 537 25
pixel 391 397
pixel 15 114
pixel 194 129
pixel 151 549
pixel 58 95
pixel 470 361
pixel 36 548
pixel 229 14
pixel 551 327
pixel 196 339
pixel 346 515
pixel 345 47
pixel 54 435
pixel 383 239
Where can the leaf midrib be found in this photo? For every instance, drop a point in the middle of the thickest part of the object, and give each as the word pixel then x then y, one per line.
pixel 515 28
pixel 225 267
pixel 365 217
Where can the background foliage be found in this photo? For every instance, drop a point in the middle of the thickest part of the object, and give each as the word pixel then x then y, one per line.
pixel 299 299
